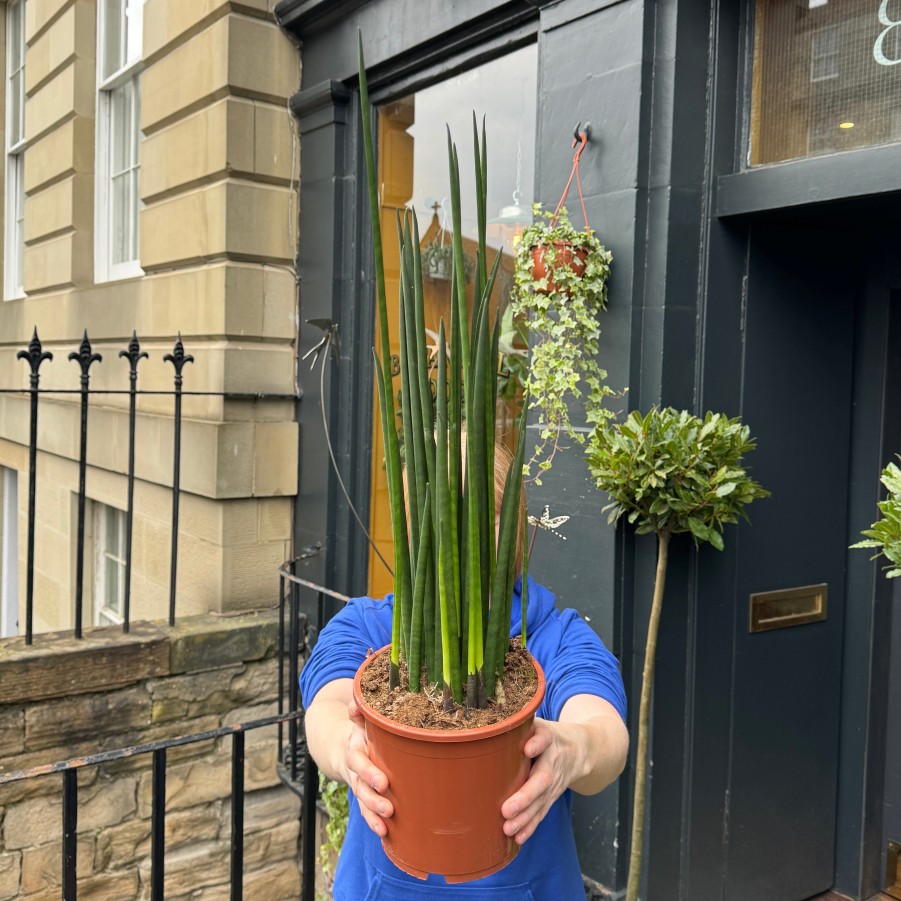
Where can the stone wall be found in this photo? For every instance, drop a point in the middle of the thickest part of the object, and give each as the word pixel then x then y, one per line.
pixel 64 698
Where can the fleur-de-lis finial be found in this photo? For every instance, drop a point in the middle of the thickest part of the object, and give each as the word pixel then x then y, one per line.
pixel 134 355
pixel 85 356
pixel 35 355
pixel 178 358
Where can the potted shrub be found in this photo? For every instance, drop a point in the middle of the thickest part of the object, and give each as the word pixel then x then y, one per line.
pixel 453 573
pixel 560 280
pixel 885 533
pixel 669 472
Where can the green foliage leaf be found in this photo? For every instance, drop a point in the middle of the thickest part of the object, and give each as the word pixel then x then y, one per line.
pixel 668 472
pixel 885 533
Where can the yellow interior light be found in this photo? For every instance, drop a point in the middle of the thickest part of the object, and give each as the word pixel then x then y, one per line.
pixel 846 125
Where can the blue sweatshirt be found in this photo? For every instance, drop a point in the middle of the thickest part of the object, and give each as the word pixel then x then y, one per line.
pixel 546 868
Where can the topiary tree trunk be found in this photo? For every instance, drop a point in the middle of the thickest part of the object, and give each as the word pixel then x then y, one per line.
pixel 668 472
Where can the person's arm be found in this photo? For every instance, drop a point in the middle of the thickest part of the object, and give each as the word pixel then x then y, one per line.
pixel 585 751
pixel 337 742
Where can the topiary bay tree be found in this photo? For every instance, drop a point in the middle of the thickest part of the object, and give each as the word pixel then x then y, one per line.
pixel 669 472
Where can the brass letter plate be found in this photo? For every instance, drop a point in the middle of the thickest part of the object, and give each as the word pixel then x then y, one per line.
pixel 789 607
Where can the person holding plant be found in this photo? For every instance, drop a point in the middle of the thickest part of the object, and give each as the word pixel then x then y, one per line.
pixel 579 743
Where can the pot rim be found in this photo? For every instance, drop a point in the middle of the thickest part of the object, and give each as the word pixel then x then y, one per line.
pixel 575 248
pixel 447 735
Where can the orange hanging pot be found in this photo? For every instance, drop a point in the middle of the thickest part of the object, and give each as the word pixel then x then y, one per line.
pixel 447 788
pixel 566 256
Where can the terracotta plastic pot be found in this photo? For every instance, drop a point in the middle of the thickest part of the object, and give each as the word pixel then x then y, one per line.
pixel 568 256
pixel 447 788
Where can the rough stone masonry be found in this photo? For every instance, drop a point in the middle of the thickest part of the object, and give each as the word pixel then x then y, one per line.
pixel 62 698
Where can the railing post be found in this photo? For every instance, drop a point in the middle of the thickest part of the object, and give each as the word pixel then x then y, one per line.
pixel 35 355
pixel 281 664
pixel 158 826
pixel 308 849
pixel 70 834
pixel 237 855
pixel 134 355
pixel 293 688
pixel 85 357
pixel 178 358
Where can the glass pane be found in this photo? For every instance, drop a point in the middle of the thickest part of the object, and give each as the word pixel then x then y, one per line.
pixel 111 527
pixel 121 128
pixel 133 205
pixel 111 585
pixel 134 14
pixel 119 219
pixel 19 188
pixel 826 77
pixel 114 36
pixel 414 175
pixel 16 109
pixel 14 24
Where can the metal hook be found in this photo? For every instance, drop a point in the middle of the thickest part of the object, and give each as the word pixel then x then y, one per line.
pixel 580 137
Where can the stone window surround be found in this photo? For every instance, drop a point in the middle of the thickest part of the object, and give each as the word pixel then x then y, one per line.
pixel 14 226
pixel 125 81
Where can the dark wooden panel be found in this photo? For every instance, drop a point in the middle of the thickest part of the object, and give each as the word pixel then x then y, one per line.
pixel 780 816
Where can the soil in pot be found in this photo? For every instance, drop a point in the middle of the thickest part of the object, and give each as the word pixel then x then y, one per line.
pixel 425 710
pixel 447 784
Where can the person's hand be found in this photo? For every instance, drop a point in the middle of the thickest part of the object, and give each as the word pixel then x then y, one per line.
pixel 553 763
pixel 365 779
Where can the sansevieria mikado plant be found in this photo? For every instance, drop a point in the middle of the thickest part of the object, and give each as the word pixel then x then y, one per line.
pixel 454 553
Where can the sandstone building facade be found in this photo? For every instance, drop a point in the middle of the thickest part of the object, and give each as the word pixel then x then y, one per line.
pixel 149 185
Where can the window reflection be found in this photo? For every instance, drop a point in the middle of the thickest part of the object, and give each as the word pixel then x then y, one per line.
pixel 826 77
pixel 413 174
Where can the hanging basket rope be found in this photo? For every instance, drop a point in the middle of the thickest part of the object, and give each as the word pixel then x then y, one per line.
pixel 581 138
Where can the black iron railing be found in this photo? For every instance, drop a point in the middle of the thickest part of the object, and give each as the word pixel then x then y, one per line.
pixel 304 602
pixel 157 750
pixel 35 355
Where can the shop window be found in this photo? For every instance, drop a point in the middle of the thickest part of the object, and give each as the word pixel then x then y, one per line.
pixel 826 77
pixel 108 589
pixel 14 213
pixel 118 138
pixel 413 174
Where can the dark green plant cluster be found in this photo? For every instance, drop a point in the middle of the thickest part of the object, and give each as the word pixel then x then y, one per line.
pixel 670 472
pixel 453 573
pixel 562 312
pixel 885 533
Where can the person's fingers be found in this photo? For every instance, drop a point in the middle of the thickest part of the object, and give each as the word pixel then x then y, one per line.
pixel 366 771
pixel 538 783
pixel 374 821
pixel 534 810
pixel 353 709
pixel 538 741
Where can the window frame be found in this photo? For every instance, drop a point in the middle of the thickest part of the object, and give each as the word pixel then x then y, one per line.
pixel 833 31
pixel 14 199
pixel 9 567
pixel 129 73
pixel 103 614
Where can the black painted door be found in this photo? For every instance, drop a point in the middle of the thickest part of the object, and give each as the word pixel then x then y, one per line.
pixel 790 794
pixel 780 808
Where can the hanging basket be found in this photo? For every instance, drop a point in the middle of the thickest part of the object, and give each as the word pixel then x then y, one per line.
pixel 565 256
